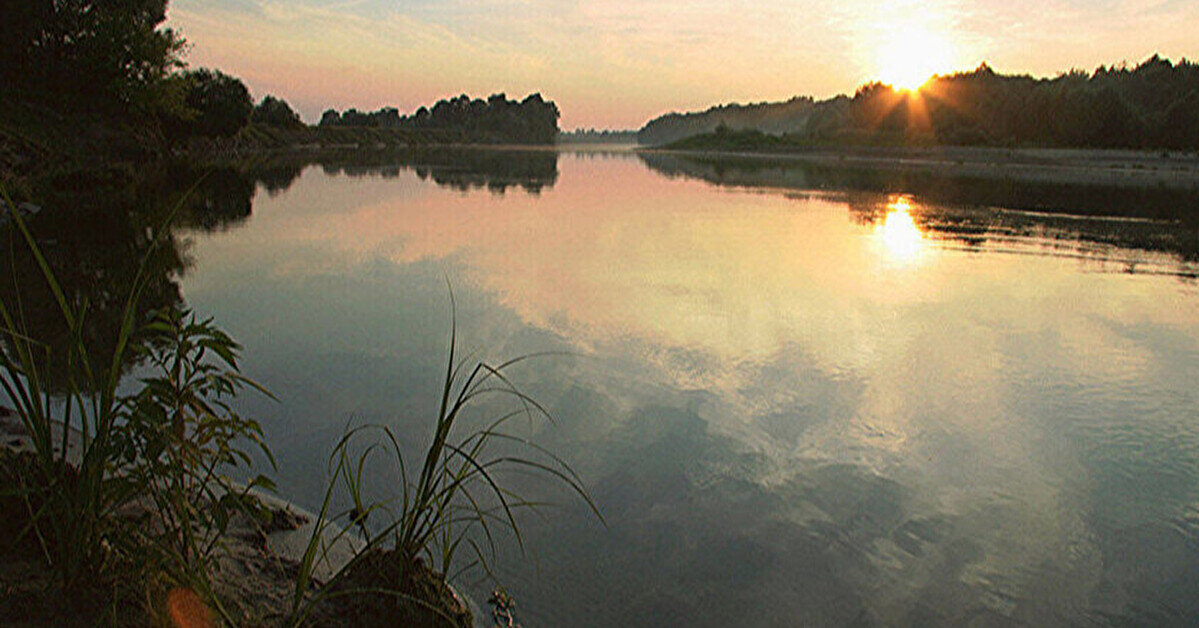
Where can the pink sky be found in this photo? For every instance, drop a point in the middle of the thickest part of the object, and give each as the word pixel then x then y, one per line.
pixel 618 63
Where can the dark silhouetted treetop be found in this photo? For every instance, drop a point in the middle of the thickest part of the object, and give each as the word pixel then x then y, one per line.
pixel 276 112
pixel 221 103
pixel 1109 108
pixel 1154 105
pixel 533 120
pixel 776 118
pixel 78 50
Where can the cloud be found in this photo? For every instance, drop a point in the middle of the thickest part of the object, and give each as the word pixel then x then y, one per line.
pixel 619 62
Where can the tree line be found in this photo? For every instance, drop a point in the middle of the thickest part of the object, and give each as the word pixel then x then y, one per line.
pixel 776 118
pixel 1152 105
pixel 494 120
pixel 597 136
pixel 115 67
pixel 116 59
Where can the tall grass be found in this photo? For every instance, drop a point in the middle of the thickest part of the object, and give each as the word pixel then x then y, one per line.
pixel 455 501
pixel 143 497
pixel 70 504
pixel 122 488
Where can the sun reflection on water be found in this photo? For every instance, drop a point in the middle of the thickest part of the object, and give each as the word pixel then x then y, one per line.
pixel 902 238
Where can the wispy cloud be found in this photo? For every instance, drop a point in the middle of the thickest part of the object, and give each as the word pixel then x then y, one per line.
pixel 617 62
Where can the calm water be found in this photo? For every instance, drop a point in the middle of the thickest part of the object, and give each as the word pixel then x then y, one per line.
pixel 797 400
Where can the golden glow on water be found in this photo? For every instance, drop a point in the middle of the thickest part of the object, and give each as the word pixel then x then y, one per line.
pixel 748 333
pixel 615 251
pixel 900 235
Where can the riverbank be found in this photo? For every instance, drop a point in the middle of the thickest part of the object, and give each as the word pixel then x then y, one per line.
pixel 1107 167
pixel 35 141
pixel 38 140
pixel 257 563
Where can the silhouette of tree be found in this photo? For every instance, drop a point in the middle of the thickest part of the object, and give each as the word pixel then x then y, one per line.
pixel 221 103
pixel 276 112
pixel 78 50
pixel 1150 106
pixel 497 119
pixel 331 117
pixel 784 117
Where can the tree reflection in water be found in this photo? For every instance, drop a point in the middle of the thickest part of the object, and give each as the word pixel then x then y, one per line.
pixel 96 228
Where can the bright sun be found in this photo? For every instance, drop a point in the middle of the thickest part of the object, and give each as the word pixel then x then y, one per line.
pixel 912 55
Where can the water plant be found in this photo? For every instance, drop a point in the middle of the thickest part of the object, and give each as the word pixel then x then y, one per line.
pixel 181 437
pixel 69 499
pixel 456 500
pixel 125 485
pixel 123 489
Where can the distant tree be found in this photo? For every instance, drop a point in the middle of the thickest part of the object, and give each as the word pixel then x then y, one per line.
pixel 540 120
pixel 221 103
pixel 276 112
pixel 388 117
pixel 1182 120
pixel 789 116
pixel 420 118
pixel 353 117
pixel 494 120
pixel 331 117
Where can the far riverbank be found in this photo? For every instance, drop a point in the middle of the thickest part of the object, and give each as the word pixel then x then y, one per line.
pixel 1107 167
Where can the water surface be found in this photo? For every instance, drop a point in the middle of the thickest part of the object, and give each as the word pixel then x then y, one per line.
pixel 798 399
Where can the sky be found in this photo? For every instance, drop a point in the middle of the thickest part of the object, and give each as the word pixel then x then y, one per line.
pixel 619 63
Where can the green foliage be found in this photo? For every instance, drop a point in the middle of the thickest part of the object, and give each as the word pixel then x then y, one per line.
pixel 180 435
pixel 123 489
pixel 70 500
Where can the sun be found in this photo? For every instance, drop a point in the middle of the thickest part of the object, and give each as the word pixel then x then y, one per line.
pixel 910 55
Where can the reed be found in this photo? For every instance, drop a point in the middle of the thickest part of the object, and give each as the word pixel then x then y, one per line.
pixel 122 491
pixel 454 501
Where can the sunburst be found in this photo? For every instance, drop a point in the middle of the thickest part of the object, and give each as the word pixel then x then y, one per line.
pixel 911 54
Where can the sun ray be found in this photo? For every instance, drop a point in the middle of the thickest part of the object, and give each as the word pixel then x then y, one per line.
pixel 912 53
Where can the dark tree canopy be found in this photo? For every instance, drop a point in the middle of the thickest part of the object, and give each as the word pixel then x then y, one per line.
pixel 1143 107
pixel 533 120
pixel 780 117
pixel 82 49
pixel 1152 105
pixel 330 118
pixel 276 112
pixel 221 103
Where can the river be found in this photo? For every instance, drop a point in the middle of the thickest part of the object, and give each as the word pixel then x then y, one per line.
pixel 797 397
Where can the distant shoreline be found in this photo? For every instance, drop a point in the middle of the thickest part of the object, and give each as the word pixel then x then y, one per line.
pixel 1113 167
